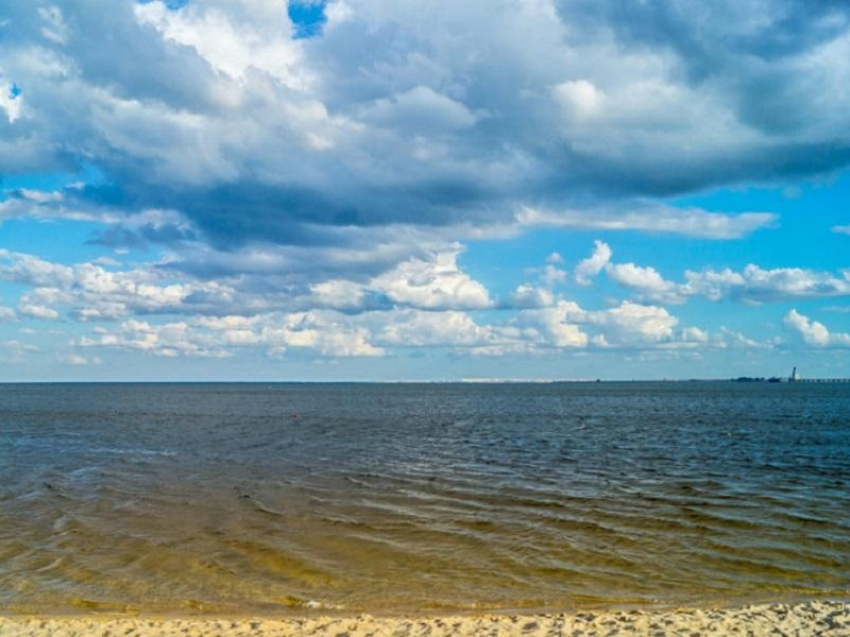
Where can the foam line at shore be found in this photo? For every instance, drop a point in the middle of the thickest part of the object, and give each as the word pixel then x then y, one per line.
pixel 811 618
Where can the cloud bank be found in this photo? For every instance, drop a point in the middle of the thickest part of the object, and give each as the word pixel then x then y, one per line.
pixel 313 184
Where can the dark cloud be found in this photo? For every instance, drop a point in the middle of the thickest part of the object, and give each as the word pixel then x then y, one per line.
pixel 435 116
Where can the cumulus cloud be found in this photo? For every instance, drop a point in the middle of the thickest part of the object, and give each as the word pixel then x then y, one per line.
pixel 566 324
pixel 529 296
pixel 93 292
pixel 412 328
pixel 311 192
pixel 170 339
pixel 758 285
pixel 647 282
pixel 563 326
pixel 436 283
pixel 814 333
pixel 751 285
pixel 593 265
pixel 38 311
pixel 457 115
pixel 632 323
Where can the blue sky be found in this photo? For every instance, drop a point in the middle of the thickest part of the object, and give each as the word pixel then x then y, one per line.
pixel 361 190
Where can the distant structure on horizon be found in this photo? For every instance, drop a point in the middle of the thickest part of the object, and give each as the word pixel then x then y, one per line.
pixel 793 378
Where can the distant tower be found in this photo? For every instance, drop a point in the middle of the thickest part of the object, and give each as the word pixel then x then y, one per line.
pixel 794 376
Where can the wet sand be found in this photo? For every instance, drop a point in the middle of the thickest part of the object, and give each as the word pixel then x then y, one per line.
pixel 812 618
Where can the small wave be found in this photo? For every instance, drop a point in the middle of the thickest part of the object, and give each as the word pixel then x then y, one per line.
pixel 134 451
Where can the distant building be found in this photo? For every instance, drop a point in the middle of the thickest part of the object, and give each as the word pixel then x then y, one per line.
pixel 794 376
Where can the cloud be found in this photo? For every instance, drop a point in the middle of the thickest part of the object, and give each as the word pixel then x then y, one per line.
pixel 10 101
pixel 412 328
pixel 814 333
pixel 841 229
pixel 169 340
pixel 580 98
pixel 38 311
pixel 328 333
pixel 528 296
pixel 562 326
pixel 692 222
pixel 752 285
pixel 629 324
pixel 313 193
pixel 436 283
pixel 646 281
pixel 588 268
pixel 76 359
pixel 394 115
pixel 12 351
pixel 758 285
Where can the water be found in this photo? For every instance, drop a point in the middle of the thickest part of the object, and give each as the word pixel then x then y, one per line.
pixel 422 498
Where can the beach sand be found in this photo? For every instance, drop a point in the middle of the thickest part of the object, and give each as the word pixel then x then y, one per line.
pixel 812 618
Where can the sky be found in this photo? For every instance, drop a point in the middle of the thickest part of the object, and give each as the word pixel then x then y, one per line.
pixel 397 190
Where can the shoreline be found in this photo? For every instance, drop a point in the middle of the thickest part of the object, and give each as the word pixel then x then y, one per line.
pixel 804 618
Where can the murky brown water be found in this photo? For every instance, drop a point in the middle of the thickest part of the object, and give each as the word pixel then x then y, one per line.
pixel 386 498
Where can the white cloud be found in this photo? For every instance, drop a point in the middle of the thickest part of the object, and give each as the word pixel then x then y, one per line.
pixel 338 294
pixel 751 285
pixel 553 275
pixel 646 281
pixel 563 326
pixel 96 293
pixel 436 117
pixel 436 283
pixel 694 335
pixel 54 27
pixel 691 222
pixel 580 98
pixel 169 340
pixel 558 325
pixel 233 37
pixel 317 188
pixel 841 229
pixel 814 333
pixel 76 359
pixel 12 351
pixel 415 328
pixel 9 101
pixel 528 296
pixel 38 311
pixel 632 323
pixel 593 265
pixel 328 332
pixel 756 285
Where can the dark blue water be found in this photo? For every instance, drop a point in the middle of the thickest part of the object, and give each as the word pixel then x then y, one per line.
pixel 244 497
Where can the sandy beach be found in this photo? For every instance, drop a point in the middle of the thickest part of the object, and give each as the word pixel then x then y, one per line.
pixel 812 618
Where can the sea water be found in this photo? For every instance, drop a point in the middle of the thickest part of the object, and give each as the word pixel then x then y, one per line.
pixel 421 498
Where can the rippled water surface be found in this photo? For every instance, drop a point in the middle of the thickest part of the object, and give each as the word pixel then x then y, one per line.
pixel 250 498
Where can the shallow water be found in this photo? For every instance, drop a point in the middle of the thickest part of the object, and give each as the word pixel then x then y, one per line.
pixel 383 498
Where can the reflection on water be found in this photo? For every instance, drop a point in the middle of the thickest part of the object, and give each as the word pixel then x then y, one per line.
pixel 421 497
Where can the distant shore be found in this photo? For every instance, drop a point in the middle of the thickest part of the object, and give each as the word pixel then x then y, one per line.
pixel 810 618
